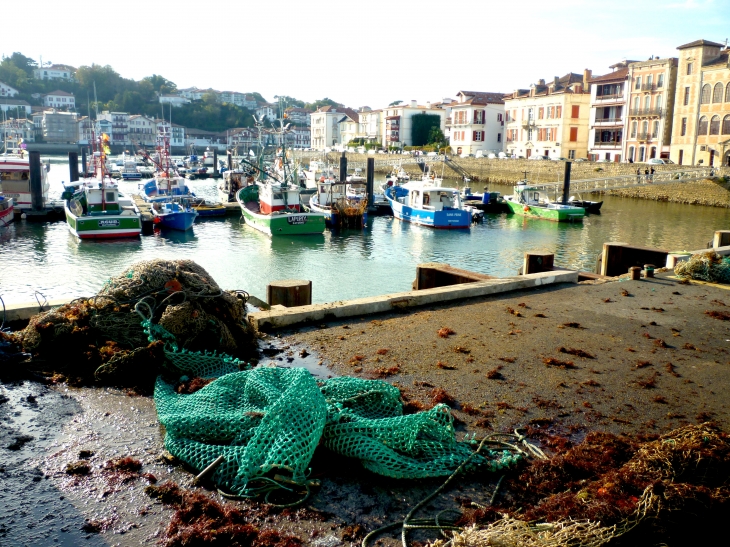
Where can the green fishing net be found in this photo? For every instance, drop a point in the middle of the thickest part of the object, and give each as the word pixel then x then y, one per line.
pixel 707 266
pixel 267 422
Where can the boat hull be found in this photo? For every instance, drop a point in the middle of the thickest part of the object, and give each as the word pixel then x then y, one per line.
pixel 6 215
pixel 178 220
pixel 103 227
pixel 566 214
pixel 211 210
pixel 277 224
pixel 448 219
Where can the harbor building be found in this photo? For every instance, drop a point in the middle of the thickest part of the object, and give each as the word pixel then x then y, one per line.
pixel 701 133
pixel 16 131
pixel 174 131
pixel 119 127
pixel 325 125
pixel 397 122
pixel 549 119
pixel 86 130
pixel 7 91
pixel 297 116
pixel 59 99
pixel 607 120
pixel 142 130
pixel 477 122
pixel 173 100
pixel 652 85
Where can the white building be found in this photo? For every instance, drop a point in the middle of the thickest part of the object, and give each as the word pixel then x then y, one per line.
pixel 267 112
pixel 397 122
pixel 7 91
pixel 174 100
pixel 238 99
pixel 16 131
pixel 119 128
pixel 325 125
pixel 298 116
pixel 59 99
pixel 193 93
pixel 477 122
pixel 18 107
pixel 86 129
pixel 370 124
pixel 607 121
pixel 55 72
pixel 142 130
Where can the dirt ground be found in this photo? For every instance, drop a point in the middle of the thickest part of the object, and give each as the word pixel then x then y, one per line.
pixel 649 359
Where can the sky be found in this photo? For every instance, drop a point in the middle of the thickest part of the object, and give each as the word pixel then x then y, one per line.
pixel 367 53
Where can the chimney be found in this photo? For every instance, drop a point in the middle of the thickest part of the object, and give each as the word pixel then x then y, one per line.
pixel 555 80
pixel 414 104
pixel 587 76
pixel 541 82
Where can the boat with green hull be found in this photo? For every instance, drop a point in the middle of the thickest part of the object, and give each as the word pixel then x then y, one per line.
pixel 529 202
pixel 263 208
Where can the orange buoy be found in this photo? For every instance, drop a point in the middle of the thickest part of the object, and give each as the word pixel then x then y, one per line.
pixel 526 208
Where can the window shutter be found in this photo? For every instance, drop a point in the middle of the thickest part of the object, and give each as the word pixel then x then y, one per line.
pixel 573 134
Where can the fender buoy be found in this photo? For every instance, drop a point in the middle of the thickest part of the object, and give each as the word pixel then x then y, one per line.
pixel 526 208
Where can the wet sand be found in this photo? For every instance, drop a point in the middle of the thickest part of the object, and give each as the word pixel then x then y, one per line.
pixel 493 365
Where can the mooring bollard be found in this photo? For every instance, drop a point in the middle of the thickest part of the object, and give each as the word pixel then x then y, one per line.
pixel 289 293
pixel 648 270
pixel 537 262
pixel 635 272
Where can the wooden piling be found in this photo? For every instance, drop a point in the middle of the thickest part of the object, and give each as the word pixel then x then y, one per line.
pixel 215 163
pixel 537 262
pixel 369 180
pixel 566 183
pixel 343 167
pixel 73 166
pixel 36 185
pixel 84 167
pixel 289 293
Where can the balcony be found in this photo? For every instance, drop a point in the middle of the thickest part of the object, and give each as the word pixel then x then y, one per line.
pixel 645 136
pixel 648 87
pixel 658 112
pixel 609 96
pixel 603 121
pixel 607 144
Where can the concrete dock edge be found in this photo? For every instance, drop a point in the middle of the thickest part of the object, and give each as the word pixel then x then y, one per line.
pixel 278 318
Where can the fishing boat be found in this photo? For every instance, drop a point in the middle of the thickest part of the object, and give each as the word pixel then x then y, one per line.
pixel 272 204
pixel 92 205
pixel 331 200
pixel 420 202
pixel 319 171
pixel 356 176
pixel 233 180
pixel 129 168
pixel 176 215
pixel 530 201
pixel 6 211
pixel 15 180
pixel 205 209
pixel 209 157
pixel 167 182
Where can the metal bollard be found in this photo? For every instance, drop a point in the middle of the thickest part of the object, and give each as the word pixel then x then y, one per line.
pixel 648 270
pixel 635 272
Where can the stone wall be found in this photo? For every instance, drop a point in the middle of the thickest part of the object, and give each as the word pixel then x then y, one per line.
pixel 713 193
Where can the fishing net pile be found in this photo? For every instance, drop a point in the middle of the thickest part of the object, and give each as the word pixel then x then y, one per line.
pixel 707 266
pixel 267 422
pixel 111 336
pixel 676 487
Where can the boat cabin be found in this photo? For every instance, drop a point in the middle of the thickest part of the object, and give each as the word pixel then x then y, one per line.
pixel 272 198
pixel 328 193
pixel 434 199
pixel 529 195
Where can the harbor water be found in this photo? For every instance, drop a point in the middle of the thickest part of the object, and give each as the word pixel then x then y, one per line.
pixel 43 260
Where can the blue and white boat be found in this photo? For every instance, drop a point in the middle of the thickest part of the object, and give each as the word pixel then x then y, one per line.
pixel 129 168
pixel 174 215
pixel 164 186
pixel 421 202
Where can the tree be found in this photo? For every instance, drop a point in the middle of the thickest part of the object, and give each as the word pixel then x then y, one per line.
pixel 258 97
pixel 160 84
pixel 289 101
pixel 320 103
pixel 421 125
pixel 395 103
pixel 436 137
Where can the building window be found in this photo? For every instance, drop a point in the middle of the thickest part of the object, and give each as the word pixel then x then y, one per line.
pixel 647 103
pixel 645 128
pixel 637 83
pixel 499 137
pixel 540 113
pixel 652 154
pixel 660 81
pixel 631 153
pixel 573 134
pixel 705 97
pixel 634 127
pixel 571 154
pixel 717 93
pixel 575 113
pixel 702 127
pixel 683 132
pixel 681 157
pixel 686 96
pixel 641 153
pixel 715 125
pixel 689 69
pixel 558 111
pixel 655 132
pixel 636 103
pixel 659 102
pixel 726 125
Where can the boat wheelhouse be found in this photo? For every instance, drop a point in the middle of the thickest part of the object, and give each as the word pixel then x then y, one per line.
pixel 421 203
pixel 530 201
pixel 15 180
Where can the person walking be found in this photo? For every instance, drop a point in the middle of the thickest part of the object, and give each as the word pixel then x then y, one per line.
pixel 646 175
pixel 651 175
pixel 638 175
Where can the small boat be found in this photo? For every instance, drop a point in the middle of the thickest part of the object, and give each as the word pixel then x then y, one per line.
pixel 529 201
pixel 422 203
pixel 129 168
pixel 339 211
pixel 92 205
pixel 209 209
pixel 233 180
pixel 209 157
pixel 15 180
pixel 356 176
pixel 590 206
pixel 6 211
pixel 173 214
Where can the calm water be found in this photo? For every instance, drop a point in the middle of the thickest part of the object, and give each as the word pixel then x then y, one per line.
pixel 381 259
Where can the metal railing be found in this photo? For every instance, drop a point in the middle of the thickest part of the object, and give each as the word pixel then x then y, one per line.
pixel 606 144
pixel 609 96
pixel 646 112
pixel 608 120
pixel 648 87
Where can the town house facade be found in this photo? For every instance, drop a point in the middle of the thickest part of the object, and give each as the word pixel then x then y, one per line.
pixel 477 122
pixel 608 114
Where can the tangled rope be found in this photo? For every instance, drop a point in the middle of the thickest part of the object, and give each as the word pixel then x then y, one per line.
pixel 707 266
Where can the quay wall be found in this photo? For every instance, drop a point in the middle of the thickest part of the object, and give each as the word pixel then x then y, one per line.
pixel 483 171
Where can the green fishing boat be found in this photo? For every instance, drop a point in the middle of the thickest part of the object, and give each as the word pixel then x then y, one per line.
pixel 529 201
pixel 274 209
